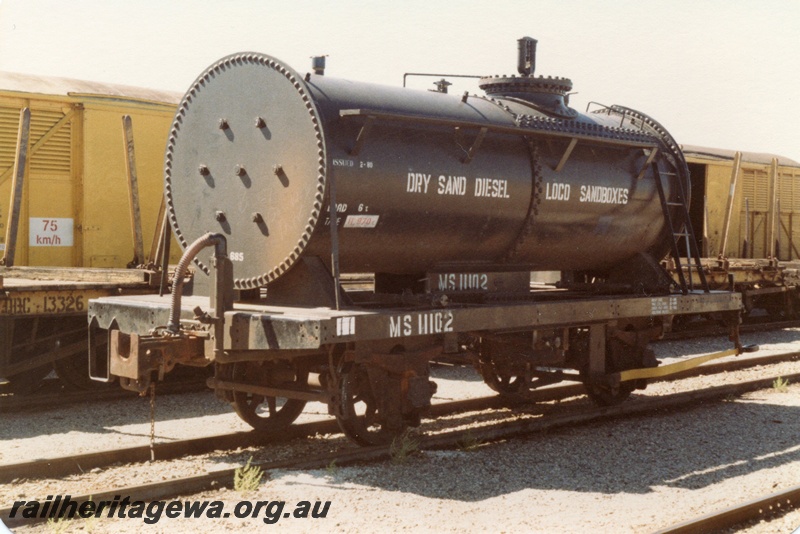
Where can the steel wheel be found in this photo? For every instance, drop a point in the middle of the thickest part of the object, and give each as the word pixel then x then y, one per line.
pixel 268 414
pixel 361 416
pixel 504 384
pixel 610 396
pixel 619 357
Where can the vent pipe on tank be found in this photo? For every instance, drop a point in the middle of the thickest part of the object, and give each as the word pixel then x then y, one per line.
pixel 526 58
pixel 318 65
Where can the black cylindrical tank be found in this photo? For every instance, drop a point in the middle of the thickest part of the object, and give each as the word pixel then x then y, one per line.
pixel 423 181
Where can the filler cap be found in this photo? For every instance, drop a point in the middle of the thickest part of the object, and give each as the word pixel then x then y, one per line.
pixel 547 95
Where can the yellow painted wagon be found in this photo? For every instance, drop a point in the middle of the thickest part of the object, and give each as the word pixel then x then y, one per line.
pixel 745 210
pixel 79 203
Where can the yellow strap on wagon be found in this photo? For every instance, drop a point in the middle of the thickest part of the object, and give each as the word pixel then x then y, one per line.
pixel 653 372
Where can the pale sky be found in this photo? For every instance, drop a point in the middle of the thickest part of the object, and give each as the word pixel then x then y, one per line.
pixel 713 72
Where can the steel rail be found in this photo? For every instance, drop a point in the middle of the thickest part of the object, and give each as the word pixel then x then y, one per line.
pixel 67 465
pixel 772 505
pixel 59 399
pixel 745 328
pixel 223 478
pixel 62 466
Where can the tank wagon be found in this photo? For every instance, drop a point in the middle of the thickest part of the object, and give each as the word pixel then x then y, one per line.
pixel 451 200
pixel 748 205
pixel 63 192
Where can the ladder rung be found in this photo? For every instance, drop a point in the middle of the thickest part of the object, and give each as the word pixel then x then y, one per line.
pixel 677 237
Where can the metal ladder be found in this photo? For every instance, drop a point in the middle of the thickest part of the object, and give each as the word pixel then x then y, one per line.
pixel 687 233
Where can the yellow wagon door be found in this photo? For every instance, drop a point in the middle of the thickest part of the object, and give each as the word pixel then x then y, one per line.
pixel 51 212
pixel 46 231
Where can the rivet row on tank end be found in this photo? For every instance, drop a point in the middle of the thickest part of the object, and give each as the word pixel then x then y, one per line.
pixel 200 85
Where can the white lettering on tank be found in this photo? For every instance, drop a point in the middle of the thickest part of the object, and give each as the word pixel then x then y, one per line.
pixel 418 182
pixel 452 185
pixel 599 194
pixel 491 188
pixel 557 191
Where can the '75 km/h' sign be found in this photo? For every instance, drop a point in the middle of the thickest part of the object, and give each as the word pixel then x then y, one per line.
pixel 51 232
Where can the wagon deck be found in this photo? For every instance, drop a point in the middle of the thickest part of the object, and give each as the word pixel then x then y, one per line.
pixel 253 326
pixel 35 291
pixel 43 319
